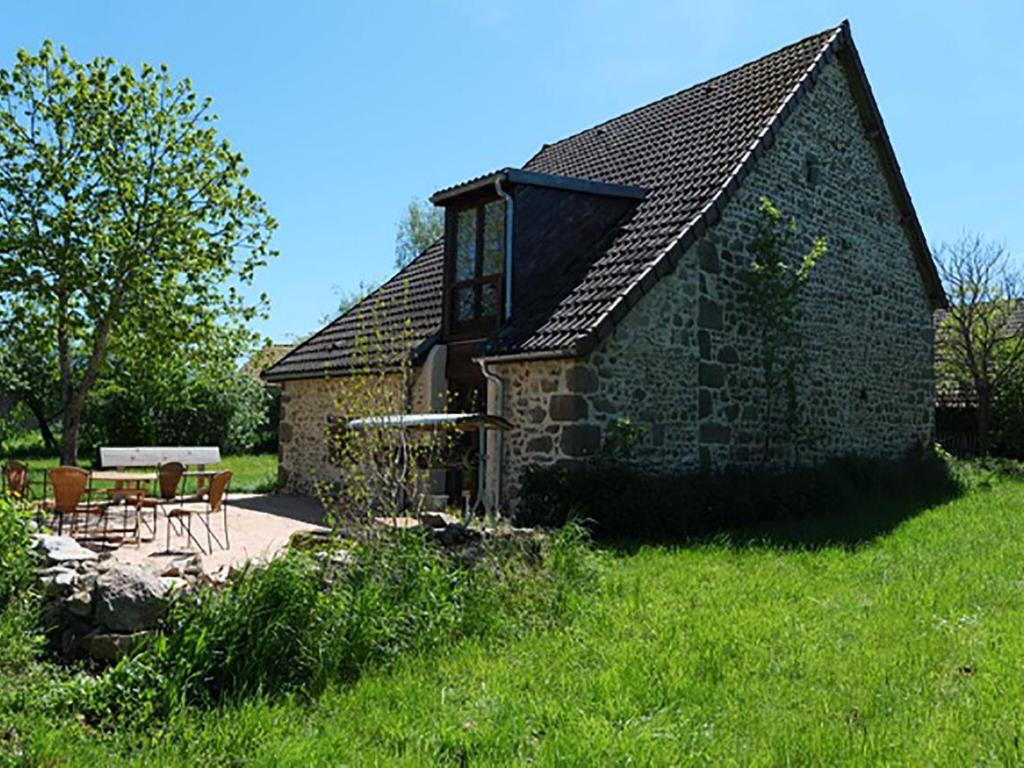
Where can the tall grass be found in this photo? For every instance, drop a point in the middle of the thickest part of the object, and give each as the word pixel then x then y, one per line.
pixel 299 623
pixel 904 650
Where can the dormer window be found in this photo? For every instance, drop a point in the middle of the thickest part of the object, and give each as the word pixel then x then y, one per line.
pixel 477 259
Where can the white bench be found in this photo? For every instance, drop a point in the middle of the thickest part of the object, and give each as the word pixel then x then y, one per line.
pixel 122 458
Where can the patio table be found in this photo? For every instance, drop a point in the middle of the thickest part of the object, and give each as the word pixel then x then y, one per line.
pixel 201 476
pixel 127 486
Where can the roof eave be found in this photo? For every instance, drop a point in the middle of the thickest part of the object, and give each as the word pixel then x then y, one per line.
pixel 534 179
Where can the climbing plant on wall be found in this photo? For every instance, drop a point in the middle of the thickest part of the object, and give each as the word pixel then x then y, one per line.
pixel 774 282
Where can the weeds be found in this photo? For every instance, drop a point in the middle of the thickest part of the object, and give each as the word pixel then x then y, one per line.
pixel 298 623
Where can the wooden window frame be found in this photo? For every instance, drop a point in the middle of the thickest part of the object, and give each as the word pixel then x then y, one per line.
pixel 479 326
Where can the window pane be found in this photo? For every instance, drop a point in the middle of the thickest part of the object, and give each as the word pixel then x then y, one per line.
pixel 465 252
pixel 489 300
pixel 464 309
pixel 494 237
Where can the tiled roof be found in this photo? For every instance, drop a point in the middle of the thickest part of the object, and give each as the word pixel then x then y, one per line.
pixel 403 313
pixel 690 151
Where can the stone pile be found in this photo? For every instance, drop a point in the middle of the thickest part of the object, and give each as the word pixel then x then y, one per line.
pixel 101 608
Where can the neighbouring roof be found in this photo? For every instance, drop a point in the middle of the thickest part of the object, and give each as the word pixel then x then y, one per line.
pixel 264 358
pixel 689 151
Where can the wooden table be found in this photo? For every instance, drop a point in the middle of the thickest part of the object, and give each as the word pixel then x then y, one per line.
pixel 200 475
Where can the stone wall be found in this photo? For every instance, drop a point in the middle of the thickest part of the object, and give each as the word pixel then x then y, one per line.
pixel 684 361
pixel 866 387
pixel 307 408
pixel 646 371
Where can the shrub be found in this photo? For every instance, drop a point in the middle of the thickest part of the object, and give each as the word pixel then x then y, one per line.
pixel 231 411
pixel 626 502
pixel 17 564
pixel 19 639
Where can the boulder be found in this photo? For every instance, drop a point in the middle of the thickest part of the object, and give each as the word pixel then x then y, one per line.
pixel 58 582
pixel 79 603
pixel 455 534
pixel 63 549
pixel 129 598
pixel 109 646
pixel 191 565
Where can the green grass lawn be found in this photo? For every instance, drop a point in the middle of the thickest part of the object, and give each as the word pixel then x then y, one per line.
pixel 252 473
pixel 902 645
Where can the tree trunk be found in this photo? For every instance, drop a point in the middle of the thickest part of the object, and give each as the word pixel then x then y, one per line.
pixel 72 423
pixel 984 421
pixel 44 425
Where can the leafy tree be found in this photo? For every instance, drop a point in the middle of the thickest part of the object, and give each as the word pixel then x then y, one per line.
pixel 420 226
pixel 124 219
pixel 182 398
pixel 382 468
pixel 980 338
pixel 774 285
pixel 29 376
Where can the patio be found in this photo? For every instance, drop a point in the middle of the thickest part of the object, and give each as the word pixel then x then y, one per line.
pixel 259 526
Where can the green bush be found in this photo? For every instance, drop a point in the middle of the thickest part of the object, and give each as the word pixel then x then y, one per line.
pixel 17 563
pixel 19 640
pixel 232 411
pixel 625 502
pixel 298 623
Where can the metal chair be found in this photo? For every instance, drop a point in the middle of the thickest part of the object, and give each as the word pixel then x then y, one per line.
pixel 70 484
pixel 215 501
pixel 16 479
pixel 168 480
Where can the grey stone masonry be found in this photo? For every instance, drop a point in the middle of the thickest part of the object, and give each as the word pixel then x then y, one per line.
pixel 683 362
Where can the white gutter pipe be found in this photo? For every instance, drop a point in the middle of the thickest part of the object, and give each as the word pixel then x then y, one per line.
pixel 499 385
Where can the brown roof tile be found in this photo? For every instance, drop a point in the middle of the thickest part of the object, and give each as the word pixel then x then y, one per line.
pixel 690 151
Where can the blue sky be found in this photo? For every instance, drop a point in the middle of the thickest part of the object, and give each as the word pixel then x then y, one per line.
pixel 344 111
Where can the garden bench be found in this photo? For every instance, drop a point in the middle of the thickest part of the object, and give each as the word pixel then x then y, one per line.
pixel 155 456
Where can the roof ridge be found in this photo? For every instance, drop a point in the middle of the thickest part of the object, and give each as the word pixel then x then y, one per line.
pixel 665 260
pixel 694 86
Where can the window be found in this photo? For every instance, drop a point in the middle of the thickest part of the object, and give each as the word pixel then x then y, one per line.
pixel 478 262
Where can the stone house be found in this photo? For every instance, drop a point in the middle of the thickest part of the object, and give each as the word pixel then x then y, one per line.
pixel 602 280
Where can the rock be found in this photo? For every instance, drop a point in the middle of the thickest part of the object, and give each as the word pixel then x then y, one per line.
pixel 309 539
pixel 173 583
pixel 110 646
pixel 60 583
pixel 219 576
pixel 79 603
pixel 438 519
pixel 63 549
pixel 129 599
pixel 184 566
pixel 455 534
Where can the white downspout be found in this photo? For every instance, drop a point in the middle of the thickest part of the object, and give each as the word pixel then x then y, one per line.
pixel 499 438
pixel 499 383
